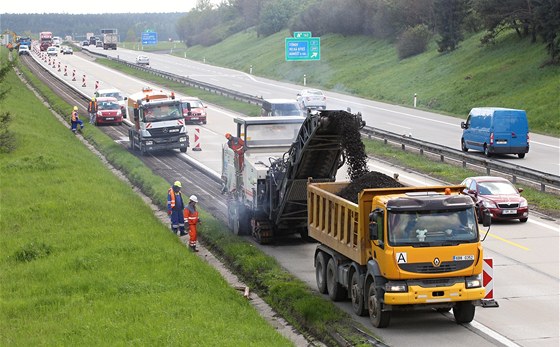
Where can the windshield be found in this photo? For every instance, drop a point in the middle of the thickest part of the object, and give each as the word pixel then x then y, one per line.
pixel 115 95
pixel 262 135
pixel 496 188
pixel 187 105
pixel 158 113
pixel 432 228
pixel 108 105
pixel 286 110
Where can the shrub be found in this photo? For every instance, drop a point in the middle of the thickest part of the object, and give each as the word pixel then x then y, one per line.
pixel 413 41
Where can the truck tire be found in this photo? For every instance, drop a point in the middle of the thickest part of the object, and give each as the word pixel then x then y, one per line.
pixel 521 155
pixel 464 146
pixel 463 312
pixel 321 272
pixel 336 290
pixel 183 150
pixel 487 151
pixel 378 317
pixel 356 295
pixel 237 219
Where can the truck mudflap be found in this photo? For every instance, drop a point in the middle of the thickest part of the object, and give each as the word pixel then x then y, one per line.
pixel 434 296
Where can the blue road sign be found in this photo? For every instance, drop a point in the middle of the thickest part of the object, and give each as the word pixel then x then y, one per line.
pixel 303 48
pixel 149 38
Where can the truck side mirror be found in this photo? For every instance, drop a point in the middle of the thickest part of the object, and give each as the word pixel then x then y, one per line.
pixel 486 219
pixel 463 125
pixel 373 231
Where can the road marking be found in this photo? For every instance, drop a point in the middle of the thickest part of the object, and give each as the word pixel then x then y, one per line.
pixel 496 336
pixel 398 125
pixel 508 241
pixel 541 224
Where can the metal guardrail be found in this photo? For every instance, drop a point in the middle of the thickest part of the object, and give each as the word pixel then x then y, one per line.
pixel 541 178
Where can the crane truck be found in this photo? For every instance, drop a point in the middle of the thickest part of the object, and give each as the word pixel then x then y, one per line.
pixel 397 249
pixel 267 195
pixel 158 122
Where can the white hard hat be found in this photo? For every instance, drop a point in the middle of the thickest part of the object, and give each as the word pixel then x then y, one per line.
pixel 193 198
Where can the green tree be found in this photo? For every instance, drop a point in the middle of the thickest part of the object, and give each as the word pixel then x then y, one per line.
pixel 449 16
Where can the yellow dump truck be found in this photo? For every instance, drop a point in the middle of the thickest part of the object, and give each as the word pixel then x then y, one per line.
pixel 397 249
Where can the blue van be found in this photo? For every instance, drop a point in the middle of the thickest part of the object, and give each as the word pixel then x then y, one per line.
pixel 496 130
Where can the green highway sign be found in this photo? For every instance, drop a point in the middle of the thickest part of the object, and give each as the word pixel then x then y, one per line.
pixel 303 48
pixel 302 34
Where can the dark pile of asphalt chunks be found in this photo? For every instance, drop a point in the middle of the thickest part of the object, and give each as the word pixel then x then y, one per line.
pixel 356 158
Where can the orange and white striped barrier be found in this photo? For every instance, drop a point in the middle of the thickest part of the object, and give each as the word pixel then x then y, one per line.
pixel 74 75
pixel 488 283
pixel 59 67
pixel 84 81
pixel 197 140
pixel 65 70
pixel 96 85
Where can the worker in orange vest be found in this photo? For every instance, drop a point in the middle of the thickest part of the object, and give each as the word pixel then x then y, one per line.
pixel 238 146
pixel 92 110
pixel 75 120
pixel 191 216
pixel 175 207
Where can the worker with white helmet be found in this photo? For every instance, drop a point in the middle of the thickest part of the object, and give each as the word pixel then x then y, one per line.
pixel 191 216
pixel 175 207
pixel 75 120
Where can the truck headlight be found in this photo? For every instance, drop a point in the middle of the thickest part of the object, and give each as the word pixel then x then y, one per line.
pixel 149 143
pixel 182 139
pixel 473 282
pixel 396 287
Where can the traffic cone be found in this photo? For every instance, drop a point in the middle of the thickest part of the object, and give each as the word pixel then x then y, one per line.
pixel 197 140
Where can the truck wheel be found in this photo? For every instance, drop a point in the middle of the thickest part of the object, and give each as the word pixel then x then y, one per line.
pixel 463 312
pixel 378 318
pixel 237 218
pixel 336 291
pixel 521 155
pixel 356 295
pixel 321 272
pixel 183 150
pixel 464 146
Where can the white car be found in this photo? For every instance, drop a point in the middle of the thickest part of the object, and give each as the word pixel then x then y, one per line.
pixel 52 50
pixel 23 50
pixel 113 93
pixel 313 99
pixel 142 60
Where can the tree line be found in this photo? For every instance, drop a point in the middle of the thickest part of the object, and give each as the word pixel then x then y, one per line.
pixel 129 25
pixel 410 24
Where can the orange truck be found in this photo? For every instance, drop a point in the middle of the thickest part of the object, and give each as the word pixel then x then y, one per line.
pixel 397 249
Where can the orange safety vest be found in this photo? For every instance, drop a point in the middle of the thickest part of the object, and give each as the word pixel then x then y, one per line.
pixel 191 216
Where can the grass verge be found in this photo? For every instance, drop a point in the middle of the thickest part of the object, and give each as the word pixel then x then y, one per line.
pixel 146 241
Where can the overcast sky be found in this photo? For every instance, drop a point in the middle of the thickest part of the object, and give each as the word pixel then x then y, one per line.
pixel 97 6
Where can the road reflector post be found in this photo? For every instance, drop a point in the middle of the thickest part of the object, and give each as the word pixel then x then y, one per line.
pixel 197 140
pixel 488 283
pixel 65 70
pixel 84 81
pixel 74 75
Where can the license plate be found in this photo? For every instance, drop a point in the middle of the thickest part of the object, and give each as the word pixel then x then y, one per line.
pixel 194 118
pixel 110 118
pixel 509 212
pixel 501 142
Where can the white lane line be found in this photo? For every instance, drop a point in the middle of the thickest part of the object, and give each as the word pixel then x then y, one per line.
pixel 496 336
pixel 543 225
pixel 398 125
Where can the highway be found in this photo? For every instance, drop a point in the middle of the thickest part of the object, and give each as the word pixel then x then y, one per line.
pixel 526 255
pixel 544 154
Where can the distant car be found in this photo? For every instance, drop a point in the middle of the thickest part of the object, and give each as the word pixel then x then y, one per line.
pixel 497 196
pixel 85 43
pixel 68 50
pixel 52 51
pixel 281 107
pixel 142 60
pixel 194 110
pixel 98 43
pixel 312 98
pixel 113 93
pixel 23 50
pixel 108 111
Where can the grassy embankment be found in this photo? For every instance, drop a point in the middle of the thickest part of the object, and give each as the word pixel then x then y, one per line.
pixel 84 261
pixel 506 74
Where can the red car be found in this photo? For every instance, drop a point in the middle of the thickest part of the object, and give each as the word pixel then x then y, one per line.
pixel 108 111
pixel 194 110
pixel 498 196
